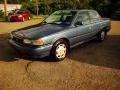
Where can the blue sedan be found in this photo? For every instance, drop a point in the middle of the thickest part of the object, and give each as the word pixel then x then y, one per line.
pixel 61 31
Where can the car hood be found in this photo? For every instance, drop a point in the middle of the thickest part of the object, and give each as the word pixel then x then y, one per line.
pixel 40 31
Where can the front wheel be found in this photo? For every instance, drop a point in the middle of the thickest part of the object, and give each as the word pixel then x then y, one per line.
pixel 59 50
pixel 101 36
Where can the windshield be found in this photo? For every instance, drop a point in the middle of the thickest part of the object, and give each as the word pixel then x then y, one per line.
pixel 18 12
pixel 61 17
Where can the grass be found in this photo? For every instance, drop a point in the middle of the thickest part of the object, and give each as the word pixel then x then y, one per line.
pixel 2 19
pixel 39 16
pixel 19 25
pixel 7 27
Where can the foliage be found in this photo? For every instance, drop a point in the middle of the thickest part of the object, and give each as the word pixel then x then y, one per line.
pixel 115 6
pixel 104 7
pixel 29 6
pixel 1 13
pixel 44 8
pixel 13 1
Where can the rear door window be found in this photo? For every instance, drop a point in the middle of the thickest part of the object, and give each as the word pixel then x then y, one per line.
pixel 94 16
pixel 84 18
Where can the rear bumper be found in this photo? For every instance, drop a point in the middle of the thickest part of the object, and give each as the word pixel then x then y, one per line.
pixel 16 18
pixel 34 52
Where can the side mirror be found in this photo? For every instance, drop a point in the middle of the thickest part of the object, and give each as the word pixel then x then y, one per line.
pixel 78 23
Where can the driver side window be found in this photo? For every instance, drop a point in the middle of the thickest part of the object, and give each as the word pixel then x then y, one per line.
pixel 83 18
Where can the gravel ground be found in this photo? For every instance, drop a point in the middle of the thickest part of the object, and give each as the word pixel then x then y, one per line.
pixel 91 66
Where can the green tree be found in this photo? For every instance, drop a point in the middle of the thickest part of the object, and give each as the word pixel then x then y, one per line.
pixel 102 6
pixel 44 8
pixel 29 6
pixel 1 13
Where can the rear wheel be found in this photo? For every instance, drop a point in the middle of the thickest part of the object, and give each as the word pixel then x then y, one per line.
pixel 101 36
pixel 59 50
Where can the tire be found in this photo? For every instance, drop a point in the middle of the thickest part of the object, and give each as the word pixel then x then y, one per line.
pixel 101 36
pixel 59 50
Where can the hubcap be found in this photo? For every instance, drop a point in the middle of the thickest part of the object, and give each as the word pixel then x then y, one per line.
pixel 102 35
pixel 61 51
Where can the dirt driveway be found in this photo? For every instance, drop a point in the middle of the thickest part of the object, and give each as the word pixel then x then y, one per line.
pixel 91 66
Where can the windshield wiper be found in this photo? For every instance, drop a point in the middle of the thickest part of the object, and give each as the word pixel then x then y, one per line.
pixel 52 23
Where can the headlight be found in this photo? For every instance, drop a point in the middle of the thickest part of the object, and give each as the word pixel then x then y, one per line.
pixel 33 42
pixel 37 42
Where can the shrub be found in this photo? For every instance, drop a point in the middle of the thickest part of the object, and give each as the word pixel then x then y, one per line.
pixel 44 8
pixel 104 7
pixel 29 6
pixel 1 13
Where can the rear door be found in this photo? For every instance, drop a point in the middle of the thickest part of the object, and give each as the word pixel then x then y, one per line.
pixel 96 23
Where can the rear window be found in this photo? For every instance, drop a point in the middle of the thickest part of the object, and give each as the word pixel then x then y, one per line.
pixel 19 12
pixel 84 18
pixel 94 15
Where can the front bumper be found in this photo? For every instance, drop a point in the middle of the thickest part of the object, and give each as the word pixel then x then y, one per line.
pixel 34 52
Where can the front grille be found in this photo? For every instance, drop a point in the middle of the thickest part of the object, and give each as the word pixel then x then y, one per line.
pixel 18 39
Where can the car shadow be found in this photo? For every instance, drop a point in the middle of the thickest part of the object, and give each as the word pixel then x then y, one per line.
pixel 105 54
